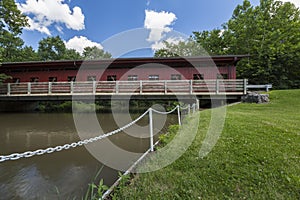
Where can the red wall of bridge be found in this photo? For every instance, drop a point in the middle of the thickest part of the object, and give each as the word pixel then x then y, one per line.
pixel 122 68
pixel 142 73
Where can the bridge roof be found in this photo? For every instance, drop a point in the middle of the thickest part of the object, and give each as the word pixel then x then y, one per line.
pixel 127 62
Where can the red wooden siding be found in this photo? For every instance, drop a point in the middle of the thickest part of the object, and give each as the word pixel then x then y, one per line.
pixel 122 68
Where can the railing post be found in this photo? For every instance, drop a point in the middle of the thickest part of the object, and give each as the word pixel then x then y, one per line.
pixel 8 89
pixel 49 87
pixel 178 113
pixel 189 109
pixel 28 88
pixel 165 85
pixel 245 86
pixel 94 87
pixel 71 87
pixel 191 86
pixel 217 86
pixel 117 87
pixel 194 108
pixel 151 129
pixel 197 104
pixel 141 86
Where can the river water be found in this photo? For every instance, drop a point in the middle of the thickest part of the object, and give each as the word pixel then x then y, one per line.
pixel 60 175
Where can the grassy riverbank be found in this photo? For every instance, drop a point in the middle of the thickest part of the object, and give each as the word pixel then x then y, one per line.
pixel 256 157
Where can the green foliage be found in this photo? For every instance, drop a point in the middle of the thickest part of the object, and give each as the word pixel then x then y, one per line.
pixel 4 77
pixel 54 48
pixel 268 32
pixel 96 191
pixel 94 53
pixel 11 18
pixel 183 48
pixel 256 157
pixel 166 138
pixel 12 22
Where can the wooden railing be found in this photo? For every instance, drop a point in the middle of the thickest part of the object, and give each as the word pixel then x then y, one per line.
pixel 142 87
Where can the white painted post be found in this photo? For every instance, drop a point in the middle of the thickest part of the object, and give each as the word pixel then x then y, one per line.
pixel 245 86
pixel 49 87
pixel 8 89
pixel 178 113
pixel 197 103
pixel 194 108
pixel 217 86
pixel 117 87
pixel 151 129
pixel 189 109
pixel 71 87
pixel 191 86
pixel 28 88
pixel 94 87
pixel 166 88
pixel 141 86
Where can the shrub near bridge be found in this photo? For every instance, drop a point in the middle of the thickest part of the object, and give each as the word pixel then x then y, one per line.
pixel 256 157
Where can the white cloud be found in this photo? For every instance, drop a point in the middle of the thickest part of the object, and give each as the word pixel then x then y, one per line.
pixel 296 2
pixel 79 43
pixel 171 40
pixel 44 13
pixel 37 26
pixel 158 23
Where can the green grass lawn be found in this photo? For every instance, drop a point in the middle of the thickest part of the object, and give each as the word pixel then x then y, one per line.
pixel 256 157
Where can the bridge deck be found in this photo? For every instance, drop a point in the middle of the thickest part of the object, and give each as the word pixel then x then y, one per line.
pixel 67 90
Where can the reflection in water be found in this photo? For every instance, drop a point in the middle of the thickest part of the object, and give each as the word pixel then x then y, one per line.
pixel 60 175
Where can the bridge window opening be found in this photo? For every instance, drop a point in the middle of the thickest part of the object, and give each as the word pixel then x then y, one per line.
pixel 198 76
pixel 132 77
pixel 225 76
pixel 16 80
pixel 52 79
pixel 34 79
pixel 91 78
pixel 153 77
pixel 71 78
pixel 175 77
pixel 111 78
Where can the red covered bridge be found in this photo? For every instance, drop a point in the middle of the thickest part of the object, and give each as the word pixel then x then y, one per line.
pixel 123 76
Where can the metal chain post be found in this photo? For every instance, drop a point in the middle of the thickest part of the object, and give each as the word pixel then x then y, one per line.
pixel 178 113
pixel 151 129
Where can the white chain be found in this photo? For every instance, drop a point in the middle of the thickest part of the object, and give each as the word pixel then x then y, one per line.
pixel 165 113
pixel 27 154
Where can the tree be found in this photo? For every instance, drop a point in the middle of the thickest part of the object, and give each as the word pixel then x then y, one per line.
pixel 268 32
pixel 183 48
pixel 72 54
pixel 199 44
pixel 51 48
pixel 28 54
pixel 12 22
pixel 94 53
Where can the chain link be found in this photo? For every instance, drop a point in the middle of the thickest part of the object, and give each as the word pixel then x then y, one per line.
pixel 164 113
pixel 28 154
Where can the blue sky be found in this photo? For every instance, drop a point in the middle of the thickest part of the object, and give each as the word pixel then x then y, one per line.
pixel 83 23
